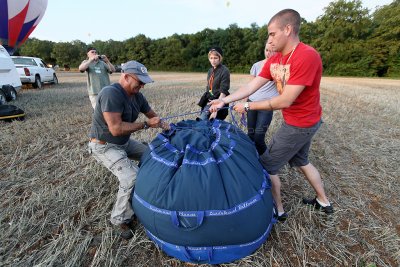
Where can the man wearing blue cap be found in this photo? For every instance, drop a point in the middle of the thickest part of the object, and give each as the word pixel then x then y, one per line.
pixel 117 109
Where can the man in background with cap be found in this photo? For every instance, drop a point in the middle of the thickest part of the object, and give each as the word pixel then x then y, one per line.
pixel 98 68
pixel 117 109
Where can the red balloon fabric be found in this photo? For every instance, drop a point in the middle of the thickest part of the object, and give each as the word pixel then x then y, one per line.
pixel 18 19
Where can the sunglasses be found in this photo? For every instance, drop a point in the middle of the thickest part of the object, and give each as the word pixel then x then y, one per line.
pixel 139 81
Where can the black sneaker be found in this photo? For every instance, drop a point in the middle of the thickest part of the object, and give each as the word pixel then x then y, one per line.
pixel 283 217
pixel 317 206
pixel 125 231
pixel 280 218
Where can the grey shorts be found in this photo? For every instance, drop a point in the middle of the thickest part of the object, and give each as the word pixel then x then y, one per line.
pixel 289 144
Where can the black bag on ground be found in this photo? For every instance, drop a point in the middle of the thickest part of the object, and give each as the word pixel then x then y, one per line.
pixel 10 113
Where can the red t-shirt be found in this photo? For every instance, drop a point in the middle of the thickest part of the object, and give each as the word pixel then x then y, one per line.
pixel 302 67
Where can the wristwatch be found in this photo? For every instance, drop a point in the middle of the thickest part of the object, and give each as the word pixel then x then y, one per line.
pixel 246 106
pixel 145 125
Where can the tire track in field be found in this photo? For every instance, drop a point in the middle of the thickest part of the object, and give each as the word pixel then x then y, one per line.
pixel 361 154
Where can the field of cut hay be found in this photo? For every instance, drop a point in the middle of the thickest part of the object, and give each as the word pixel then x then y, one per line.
pixel 56 199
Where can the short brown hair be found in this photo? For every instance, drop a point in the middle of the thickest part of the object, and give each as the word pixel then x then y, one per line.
pixel 287 16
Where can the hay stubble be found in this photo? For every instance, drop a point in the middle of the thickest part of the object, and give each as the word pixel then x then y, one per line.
pixel 56 199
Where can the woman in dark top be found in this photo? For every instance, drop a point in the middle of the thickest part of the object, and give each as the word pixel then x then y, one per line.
pixel 218 83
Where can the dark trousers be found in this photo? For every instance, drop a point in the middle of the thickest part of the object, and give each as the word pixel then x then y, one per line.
pixel 258 122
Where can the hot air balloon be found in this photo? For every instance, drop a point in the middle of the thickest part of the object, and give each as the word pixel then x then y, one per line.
pixel 17 21
pixel 202 194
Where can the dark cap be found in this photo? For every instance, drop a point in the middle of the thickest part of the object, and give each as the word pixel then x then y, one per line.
pixel 216 49
pixel 138 69
pixel 90 48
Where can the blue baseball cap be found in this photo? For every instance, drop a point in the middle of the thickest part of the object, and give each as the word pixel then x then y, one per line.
pixel 138 69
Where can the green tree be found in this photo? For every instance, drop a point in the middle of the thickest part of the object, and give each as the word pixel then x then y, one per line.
pixel 349 39
pixel 233 45
pixel 384 45
pixel 308 32
pixel 37 48
pixel 137 48
pixel 69 53
pixel 256 37
pixel 114 50
pixel 340 34
pixel 167 54
pixel 194 53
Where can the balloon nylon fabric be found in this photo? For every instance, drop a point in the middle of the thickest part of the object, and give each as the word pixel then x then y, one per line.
pixel 202 194
pixel 18 19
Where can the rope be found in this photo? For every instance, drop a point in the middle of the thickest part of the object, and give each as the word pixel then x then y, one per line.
pixel 234 122
pixel 188 113
pixel 179 115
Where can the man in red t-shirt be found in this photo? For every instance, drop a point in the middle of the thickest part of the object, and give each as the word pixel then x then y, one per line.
pixel 296 71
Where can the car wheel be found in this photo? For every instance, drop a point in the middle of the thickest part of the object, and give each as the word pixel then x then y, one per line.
pixel 38 83
pixel 55 79
pixel 3 100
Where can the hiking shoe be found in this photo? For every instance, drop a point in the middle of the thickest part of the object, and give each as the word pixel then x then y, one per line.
pixel 125 231
pixel 317 206
pixel 282 218
pixel 133 222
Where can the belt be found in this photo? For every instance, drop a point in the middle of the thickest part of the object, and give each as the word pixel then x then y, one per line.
pixel 94 140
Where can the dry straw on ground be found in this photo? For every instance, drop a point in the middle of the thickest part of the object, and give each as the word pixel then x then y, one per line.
pixel 56 199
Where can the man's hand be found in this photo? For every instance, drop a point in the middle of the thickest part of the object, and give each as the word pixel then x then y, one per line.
pixel 215 105
pixel 213 115
pixel 156 122
pixel 105 58
pixel 93 57
pixel 239 107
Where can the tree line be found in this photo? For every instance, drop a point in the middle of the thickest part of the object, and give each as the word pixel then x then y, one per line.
pixel 351 41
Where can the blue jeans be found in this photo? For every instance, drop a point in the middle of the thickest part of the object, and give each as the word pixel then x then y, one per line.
pixel 205 114
pixel 258 122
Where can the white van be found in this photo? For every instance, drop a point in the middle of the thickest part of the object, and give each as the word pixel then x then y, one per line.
pixel 10 82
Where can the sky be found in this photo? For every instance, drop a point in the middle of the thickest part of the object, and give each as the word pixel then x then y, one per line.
pixel 90 20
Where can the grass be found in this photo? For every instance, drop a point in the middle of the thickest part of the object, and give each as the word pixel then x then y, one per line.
pixel 56 199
